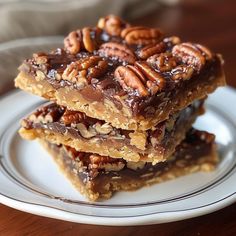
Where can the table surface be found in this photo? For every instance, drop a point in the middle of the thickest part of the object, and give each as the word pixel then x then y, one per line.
pixel 210 22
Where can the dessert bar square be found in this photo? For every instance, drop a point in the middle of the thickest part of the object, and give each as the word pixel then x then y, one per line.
pixel 132 77
pixel 98 177
pixel 60 125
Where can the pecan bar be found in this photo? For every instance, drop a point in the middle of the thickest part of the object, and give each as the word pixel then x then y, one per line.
pixel 98 177
pixel 58 124
pixel 132 77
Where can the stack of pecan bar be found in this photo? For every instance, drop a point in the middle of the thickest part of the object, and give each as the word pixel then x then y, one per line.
pixel 123 101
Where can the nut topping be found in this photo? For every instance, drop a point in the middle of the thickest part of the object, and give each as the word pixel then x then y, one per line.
pixel 106 163
pixel 46 114
pixel 158 134
pixel 86 132
pixel 136 165
pixel 207 53
pixel 128 79
pixel 141 35
pixel 74 117
pixel 89 43
pixel 83 70
pixel 81 39
pixel 103 128
pixel 182 72
pixel 117 51
pixel 163 62
pixel 139 77
pixel 73 153
pixel 73 42
pixel 150 50
pixel 111 24
pixel 40 58
pixel 191 54
pixel 151 74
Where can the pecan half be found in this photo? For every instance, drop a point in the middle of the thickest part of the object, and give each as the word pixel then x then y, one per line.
pixel 139 77
pixel 113 25
pixel 206 52
pixel 151 74
pixel 141 35
pixel 73 41
pixel 163 61
pixel 70 117
pixel 182 72
pixel 88 42
pixel 192 54
pixel 129 79
pixel 150 50
pixel 81 39
pixel 117 51
pixel 83 70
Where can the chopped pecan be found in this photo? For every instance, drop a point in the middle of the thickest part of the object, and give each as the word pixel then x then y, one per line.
pixel 97 159
pixel 158 134
pixel 138 139
pixel 136 165
pixel 40 58
pixel 117 51
pixel 86 132
pixel 106 163
pixel 150 50
pixel 141 35
pixel 70 117
pixel 182 72
pixel 73 153
pixel 103 128
pixel 81 39
pixel 39 75
pixel 151 74
pixel 41 61
pixel 83 70
pixel 47 114
pixel 163 61
pixel 111 24
pixel 192 54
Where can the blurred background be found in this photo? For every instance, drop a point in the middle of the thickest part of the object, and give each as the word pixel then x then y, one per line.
pixel 27 26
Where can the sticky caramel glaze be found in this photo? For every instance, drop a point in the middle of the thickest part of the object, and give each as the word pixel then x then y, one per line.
pixel 131 113
pixel 160 141
pixel 196 153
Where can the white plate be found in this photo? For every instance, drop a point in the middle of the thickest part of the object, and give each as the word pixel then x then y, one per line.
pixel 31 182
